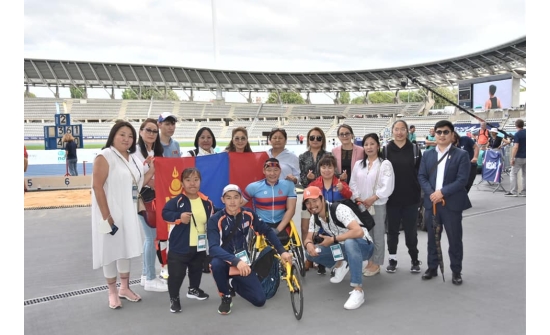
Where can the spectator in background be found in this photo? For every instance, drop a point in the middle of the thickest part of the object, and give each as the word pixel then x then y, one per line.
pixel 493 102
pixel 348 153
pixel 495 141
pixel 167 124
pixel 290 167
pixel 483 134
pixel 467 144
pixel 239 141
pixel 70 153
pixel 430 139
pixel 26 162
pixel 412 134
pixel 517 160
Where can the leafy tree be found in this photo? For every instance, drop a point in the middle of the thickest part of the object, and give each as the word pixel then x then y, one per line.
pixel 381 97
pixel 413 96
pixel 286 98
pixel 344 98
pixel 29 95
pixel 446 92
pixel 77 92
pixel 148 93
pixel 358 100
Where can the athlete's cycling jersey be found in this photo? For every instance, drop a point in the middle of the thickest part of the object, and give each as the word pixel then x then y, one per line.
pixel 270 201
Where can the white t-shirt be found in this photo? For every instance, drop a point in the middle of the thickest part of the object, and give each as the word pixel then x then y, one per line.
pixel 344 215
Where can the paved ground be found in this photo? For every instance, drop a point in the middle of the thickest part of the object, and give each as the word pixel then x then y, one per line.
pixel 63 295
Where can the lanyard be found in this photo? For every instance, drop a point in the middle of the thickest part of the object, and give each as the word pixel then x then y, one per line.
pixel 126 163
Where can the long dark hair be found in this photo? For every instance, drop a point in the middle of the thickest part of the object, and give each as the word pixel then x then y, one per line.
pixel 374 136
pixel 231 147
pixel 158 150
pixel 196 143
pixel 115 128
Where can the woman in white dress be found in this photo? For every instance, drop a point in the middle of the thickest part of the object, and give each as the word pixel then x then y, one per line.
pixel 116 236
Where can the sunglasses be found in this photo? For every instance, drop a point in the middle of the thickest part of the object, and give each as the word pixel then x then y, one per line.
pixel 151 131
pixel 344 134
pixel 278 129
pixel 318 138
pixel 239 138
pixel 443 132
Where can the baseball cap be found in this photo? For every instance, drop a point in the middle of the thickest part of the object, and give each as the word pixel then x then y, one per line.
pixel 165 115
pixel 312 192
pixel 231 187
pixel 494 130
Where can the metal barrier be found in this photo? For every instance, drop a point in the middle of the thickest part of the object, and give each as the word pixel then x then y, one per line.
pixel 506 150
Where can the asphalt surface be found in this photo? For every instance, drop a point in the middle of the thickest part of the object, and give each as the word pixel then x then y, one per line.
pixel 64 295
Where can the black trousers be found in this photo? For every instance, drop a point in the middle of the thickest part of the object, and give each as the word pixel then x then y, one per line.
pixel 179 265
pixel 405 216
pixel 472 177
pixel 451 222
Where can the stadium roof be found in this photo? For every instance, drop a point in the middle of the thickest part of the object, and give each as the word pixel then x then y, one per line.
pixel 506 58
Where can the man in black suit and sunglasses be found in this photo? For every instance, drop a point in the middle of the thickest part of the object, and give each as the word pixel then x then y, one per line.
pixel 443 176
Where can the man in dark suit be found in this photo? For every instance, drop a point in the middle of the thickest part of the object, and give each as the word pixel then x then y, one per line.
pixel 443 176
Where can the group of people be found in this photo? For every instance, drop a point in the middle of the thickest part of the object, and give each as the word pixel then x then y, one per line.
pixel 387 181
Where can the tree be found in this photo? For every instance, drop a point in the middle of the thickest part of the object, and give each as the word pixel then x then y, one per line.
pixel 148 93
pixel 381 97
pixel 286 98
pixel 447 93
pixel 413 96
pixel 29 95
pixel 77 92
pixel 344 98
pixel 358 100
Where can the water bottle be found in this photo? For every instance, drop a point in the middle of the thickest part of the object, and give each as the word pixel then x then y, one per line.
pixel 362 206
pixel 317 250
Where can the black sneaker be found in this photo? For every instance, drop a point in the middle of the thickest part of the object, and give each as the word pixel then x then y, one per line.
pixel 175 305
pixel 415 266
pixel 196 293
pixel 231 289
pixel 510 194
pixel 392 267
pixel 321 270
pixel 225 306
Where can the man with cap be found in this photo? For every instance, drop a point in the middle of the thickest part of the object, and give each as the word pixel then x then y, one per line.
pixel 227 232
pixel 345 248
pixel 167 125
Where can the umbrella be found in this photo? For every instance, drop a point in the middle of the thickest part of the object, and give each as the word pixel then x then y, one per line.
pixel 437 231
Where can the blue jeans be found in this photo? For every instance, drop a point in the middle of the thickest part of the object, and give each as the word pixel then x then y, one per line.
pixel 355 250
pixel 72 166
pixel 149 251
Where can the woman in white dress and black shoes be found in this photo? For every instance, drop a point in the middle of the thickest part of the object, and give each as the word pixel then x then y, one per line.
pixel 116 234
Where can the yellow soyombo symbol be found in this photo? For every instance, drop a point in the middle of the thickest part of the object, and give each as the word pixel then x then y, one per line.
pixel 175 186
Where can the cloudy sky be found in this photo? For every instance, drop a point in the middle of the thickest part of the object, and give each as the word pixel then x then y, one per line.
pixel 268 35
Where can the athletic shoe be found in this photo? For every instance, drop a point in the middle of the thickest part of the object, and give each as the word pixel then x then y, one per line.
pixel 368 273
pixel 415 266
pixel 155 285
pixel 510 194
pixel 225 306
pixel 164 272
pixel 143 279
pixel 196 293
pixel 522 194
pixel 355 300
pixel 321 269
pixel 175 305
pixel 340 273
pixel 392 267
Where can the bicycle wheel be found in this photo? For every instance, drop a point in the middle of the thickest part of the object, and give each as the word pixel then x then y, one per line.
pixel 298 253
pixel 296 297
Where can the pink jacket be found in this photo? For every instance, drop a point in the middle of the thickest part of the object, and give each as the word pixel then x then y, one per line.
pixel 357 155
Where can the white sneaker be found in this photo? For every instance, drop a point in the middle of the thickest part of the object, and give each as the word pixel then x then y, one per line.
pixel 164 272
pixel 339 273
pixel 143 280
pixel 355 300
pixel 156 285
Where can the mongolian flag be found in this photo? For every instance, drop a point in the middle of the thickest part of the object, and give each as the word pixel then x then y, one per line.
pixel 216 170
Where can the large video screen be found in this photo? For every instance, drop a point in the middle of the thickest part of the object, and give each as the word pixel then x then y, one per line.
pixel 493 94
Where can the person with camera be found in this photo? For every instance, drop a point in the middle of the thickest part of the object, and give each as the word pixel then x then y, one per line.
pixel 344 248
pixel 117 178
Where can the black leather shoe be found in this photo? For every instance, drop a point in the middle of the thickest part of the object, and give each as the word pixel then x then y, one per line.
pixel 457 278
pixel 429 274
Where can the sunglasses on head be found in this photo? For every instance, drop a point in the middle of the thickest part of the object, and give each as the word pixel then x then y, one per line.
pixel 443 132
pixel 318 138
pixel 271 164
pixel 278 129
